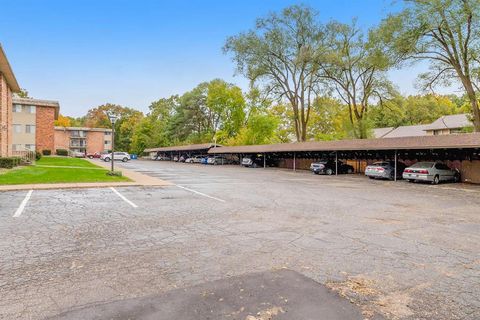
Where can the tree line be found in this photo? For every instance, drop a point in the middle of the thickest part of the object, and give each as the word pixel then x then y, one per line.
pixel 319 81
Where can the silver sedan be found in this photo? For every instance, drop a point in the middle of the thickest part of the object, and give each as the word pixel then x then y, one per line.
pixel 431 172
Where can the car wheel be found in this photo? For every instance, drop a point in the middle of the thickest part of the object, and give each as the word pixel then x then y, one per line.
pixel 316 172
pixel 349 170
pixel 370 177
pixel 254 165
pixel 329 172
pixel 436 179
pixel 90 157
pixel 125 159
pixel 410 180
pixel 456 178
pixel 392 176
pixel 107 159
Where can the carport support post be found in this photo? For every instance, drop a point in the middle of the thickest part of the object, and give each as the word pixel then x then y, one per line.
pixel 395 174
pixel 264 162
pixel 294 162
pixel 336 163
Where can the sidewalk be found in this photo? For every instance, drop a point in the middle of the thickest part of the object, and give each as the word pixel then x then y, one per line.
pixel 138 179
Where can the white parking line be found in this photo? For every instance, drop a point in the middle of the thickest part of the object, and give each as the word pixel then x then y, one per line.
pixel 123 197
pixel 23 204
pixel 199 193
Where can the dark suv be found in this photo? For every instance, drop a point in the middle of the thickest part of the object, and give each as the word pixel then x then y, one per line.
pixel 328 167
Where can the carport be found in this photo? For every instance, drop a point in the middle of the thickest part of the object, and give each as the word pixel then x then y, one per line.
pixel 188 150
pixel 461 151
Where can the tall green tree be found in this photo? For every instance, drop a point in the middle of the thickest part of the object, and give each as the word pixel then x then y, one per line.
pixel 280 53
pixel 446 33
pixel 355 67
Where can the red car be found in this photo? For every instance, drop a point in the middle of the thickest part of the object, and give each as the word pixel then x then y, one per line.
pixel 93 155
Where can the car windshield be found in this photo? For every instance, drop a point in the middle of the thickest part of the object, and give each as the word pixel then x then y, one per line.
pixel 423 165
pixel 380 164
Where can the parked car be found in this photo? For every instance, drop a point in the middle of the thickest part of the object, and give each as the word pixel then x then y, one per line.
pixel 123 156
pixel 257 161
pixel 204 160
pixel 77 154
pixel 431 172
pixel 328 167
pixel 94 155
pixel 384 170
pixel 218 160
pixel 181 159
pixel 175 158
pixel 195 159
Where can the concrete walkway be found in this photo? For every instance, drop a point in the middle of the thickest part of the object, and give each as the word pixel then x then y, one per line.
pixel 138 179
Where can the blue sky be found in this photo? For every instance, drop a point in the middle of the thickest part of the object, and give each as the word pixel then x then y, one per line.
pixel 88 52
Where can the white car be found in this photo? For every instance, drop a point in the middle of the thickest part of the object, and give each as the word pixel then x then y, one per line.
pixel 196 159
pixel 123 156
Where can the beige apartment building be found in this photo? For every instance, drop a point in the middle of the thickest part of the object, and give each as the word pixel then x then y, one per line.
pixel 83 140
pixel 33 124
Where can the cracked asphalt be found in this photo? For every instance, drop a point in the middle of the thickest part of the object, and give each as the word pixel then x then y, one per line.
pixel 404 251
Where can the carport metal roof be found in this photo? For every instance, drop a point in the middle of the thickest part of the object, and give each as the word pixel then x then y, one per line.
pixel 460 141
pixel 190 147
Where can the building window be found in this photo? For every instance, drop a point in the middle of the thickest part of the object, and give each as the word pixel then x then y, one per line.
pixel 17 128
pixel 30 128
pixel 108 133
pixel 107 142
pixel 17 108
pixel 16 147
pixel 32 109
pixel 30 147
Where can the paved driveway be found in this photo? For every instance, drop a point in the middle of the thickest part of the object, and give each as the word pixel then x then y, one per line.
pixel 407 251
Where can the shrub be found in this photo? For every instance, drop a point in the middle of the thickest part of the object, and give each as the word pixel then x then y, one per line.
pixel 46 152
pixel 9 162
pixel 62 152
pixel 38 155
pixel 114 173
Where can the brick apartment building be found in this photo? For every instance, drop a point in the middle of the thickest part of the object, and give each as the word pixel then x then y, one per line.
pixel 33 124
pixel 8 85
pixel 83 140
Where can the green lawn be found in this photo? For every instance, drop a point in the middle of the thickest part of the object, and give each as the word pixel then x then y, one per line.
pixel 38 174
pixel 65 161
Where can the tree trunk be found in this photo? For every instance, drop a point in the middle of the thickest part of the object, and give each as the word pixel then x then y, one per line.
pixel 467 84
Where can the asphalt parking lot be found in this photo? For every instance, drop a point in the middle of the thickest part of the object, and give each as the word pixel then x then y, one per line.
pixel 405 251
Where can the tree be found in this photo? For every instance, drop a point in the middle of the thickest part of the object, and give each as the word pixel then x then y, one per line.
pixel 63 121
pixel 226 104
pixel 280 52
pixel 355 69
pixel 447 34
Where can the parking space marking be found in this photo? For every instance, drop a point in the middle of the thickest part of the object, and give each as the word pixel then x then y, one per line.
pixel 201 194
pixel 123 197
pixel 23 204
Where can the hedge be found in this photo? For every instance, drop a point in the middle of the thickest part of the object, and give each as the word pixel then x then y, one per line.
pixel 38 155
pixel 9 162
pixel 46 152
pixel 62 152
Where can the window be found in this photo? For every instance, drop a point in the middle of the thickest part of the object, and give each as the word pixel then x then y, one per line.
pixel 107 142
pixel 108 133
pixel 31 109
pixel 17 108
pixel 17 128
pixel 30 128
pixel 16 147
pixel 30 147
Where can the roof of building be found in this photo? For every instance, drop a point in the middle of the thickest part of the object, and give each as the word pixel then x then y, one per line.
pixel 407 131
pixel 454 121
pixel 471 140
pixel 82 129
pixel 38 103
pixel 7 72
pixel 381 132
pixel 190 147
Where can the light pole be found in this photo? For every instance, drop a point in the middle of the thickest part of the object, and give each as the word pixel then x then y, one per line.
pixel 112 117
